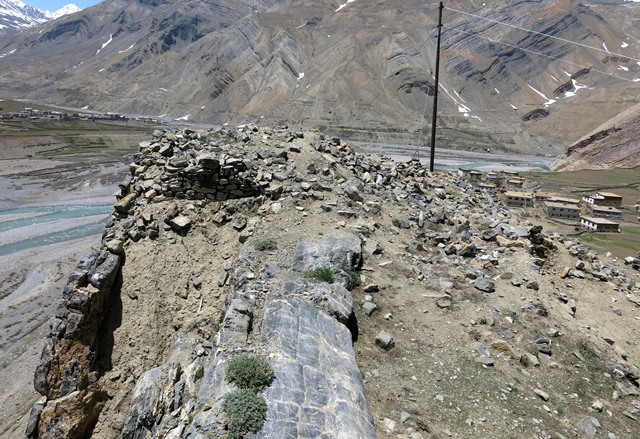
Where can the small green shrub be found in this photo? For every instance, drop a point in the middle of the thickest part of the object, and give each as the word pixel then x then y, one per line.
pixel 247 412
pixel 323 275
pixel 356 277
pixel 249 372
pixel 269 244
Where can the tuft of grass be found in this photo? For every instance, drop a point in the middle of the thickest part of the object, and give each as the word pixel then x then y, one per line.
pixel 356 277
pixel 246 411
pixel 250 372
pixel 268 244
pixel 323 274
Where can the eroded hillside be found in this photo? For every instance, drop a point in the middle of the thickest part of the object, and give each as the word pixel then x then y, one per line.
pixel 510 77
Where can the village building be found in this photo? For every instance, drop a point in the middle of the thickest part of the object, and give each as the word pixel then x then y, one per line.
pixel 543 196
pixel 493 176
pixel 487 187
pixel 561 210
pixel 475 176
pixel 518 199
pixel 564 200
pixel 603 199
pixel 515 182
pixel 510 174
pixel 604 211
pixel 599 224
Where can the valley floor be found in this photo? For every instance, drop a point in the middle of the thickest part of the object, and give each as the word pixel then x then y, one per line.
pixel 51 214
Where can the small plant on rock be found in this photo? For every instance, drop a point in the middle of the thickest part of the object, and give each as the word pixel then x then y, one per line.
pixel 247 412
pixel 269 244
pixel 249 372
pixel 356 277
pixel 323 275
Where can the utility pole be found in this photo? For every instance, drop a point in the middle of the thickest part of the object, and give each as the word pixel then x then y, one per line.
pixel 435 96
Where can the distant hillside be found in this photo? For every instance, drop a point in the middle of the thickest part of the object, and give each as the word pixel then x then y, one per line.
pixel 615 144
pixel 363 68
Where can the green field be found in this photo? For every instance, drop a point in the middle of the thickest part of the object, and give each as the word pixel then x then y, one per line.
pixel 100 140
pixel 13 106
pixel 624 182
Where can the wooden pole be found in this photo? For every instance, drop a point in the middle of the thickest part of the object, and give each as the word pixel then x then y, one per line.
pixel 435 96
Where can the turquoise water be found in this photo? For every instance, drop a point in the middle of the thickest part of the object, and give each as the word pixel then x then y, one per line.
pixel 48 214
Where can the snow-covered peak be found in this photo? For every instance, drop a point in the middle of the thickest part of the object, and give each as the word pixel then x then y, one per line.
pixel 66 10
pixel 16 15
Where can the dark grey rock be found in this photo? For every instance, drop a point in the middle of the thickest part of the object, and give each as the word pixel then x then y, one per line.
pixel 484 285
pixel 490 234
pixel 352 191
pixel 340 254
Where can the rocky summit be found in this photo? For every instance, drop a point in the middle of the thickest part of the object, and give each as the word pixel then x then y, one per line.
pixel 387 301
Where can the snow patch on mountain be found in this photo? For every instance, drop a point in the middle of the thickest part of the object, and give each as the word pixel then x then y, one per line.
pixel 65 10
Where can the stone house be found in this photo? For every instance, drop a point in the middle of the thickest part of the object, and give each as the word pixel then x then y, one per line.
pixel 518 199
pixel 561 210
pixel 487 187
pixel 599 224
pixel 604 211
pixel 603 199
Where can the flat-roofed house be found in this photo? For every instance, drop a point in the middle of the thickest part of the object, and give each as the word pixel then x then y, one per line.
pixel 515 182
pixel 603 199
pixel 475 175
pixel 604 211
pixel 564 200
pixel 518 199
pixel 543 196
pixel 599 224
pixel 487 187
pixel 464 173
pixel 561 210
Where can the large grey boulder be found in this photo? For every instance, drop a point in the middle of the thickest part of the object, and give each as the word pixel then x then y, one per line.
pixel 340 254
pixel 318 390
pixel 165 390
pixel 333 298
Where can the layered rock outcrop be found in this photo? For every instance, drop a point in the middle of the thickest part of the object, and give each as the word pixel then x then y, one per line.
pixel 76 350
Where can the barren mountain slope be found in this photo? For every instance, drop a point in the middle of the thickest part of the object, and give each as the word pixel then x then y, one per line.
pixel 614 144
pixel 493 327
pixel 365 66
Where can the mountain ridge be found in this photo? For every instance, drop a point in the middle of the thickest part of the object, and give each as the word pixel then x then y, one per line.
pixel 363 67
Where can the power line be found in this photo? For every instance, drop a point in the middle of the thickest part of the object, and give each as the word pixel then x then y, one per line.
pixel 391 79
pixel 543 34
pixel 544 55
